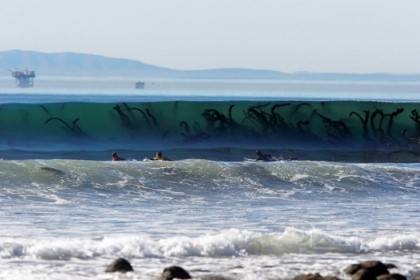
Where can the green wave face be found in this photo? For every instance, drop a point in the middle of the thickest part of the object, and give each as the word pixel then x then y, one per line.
pixel 230 124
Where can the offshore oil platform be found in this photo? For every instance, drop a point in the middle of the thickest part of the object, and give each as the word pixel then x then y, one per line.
pixel 24 78
pixel 139 85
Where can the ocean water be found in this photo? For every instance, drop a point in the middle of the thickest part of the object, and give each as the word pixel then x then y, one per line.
pixel 67 210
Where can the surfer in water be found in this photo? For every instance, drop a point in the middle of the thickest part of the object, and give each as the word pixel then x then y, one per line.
pixel 116 157
pixel 260 156
pixel 159 156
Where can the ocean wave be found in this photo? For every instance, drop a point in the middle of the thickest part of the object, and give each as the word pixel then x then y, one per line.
pixel 282 178
pixel 226 243
pixel 233 124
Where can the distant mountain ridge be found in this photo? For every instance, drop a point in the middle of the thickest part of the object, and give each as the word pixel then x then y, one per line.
pixel 80 64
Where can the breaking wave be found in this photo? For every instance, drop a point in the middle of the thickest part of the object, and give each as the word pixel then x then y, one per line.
pixel 203 177
pixel 227 243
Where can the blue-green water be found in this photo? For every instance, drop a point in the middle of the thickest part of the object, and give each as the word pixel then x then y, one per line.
pixel 63 123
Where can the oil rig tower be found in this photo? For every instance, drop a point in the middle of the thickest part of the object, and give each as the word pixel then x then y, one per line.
pixel 24 78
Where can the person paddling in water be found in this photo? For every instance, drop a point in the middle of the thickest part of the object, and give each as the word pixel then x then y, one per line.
pixel 116 157
pixel 260 156
pixel 159 156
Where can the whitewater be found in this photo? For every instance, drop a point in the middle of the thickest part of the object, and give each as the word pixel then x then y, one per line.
pixel 343 189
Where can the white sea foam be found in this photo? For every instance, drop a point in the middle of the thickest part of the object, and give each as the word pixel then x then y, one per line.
pixel 227 243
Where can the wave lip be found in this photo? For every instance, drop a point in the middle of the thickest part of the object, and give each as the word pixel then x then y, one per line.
pixel 226 243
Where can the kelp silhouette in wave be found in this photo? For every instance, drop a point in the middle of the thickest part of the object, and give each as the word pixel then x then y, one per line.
pixel 73 128
pixel 333 124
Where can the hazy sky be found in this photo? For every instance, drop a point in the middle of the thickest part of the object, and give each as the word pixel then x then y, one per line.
pixel 285 35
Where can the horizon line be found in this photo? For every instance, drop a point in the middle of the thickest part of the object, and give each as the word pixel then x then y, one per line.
pixel 300 72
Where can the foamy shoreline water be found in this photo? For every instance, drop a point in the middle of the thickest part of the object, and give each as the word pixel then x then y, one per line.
pixel 245 220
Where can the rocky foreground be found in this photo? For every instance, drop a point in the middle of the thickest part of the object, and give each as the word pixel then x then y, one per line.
pixel 367 270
